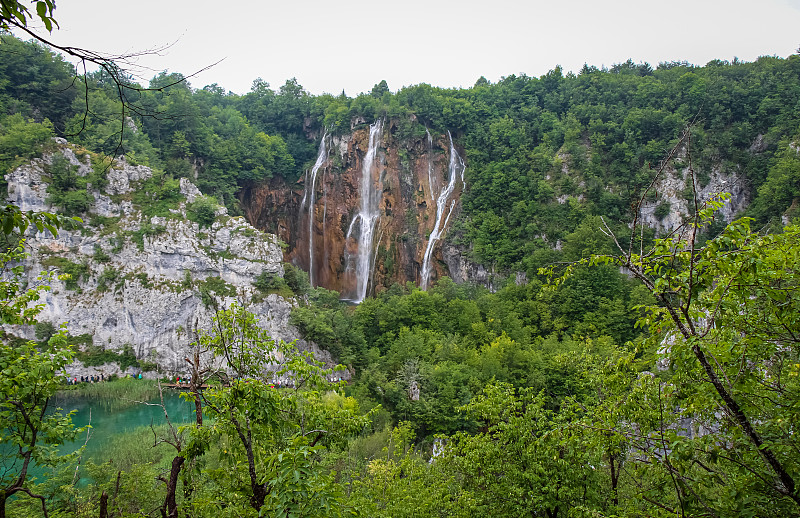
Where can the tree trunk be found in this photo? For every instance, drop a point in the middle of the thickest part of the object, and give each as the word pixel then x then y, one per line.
pixel 104 505
pixel 198 407
pixel 170 509
pixel 195 386
pixel 786 484
pixel 259 490
pixel 614 479
pixel 786 480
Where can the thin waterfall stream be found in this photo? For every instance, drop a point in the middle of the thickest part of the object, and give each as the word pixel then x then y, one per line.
pixel 322 157
pixel 309 196
pixel 455 172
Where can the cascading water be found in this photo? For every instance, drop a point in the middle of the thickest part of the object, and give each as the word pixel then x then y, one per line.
pixel 367 217
pixel 431 186
pixel 310 195
pixel 455 172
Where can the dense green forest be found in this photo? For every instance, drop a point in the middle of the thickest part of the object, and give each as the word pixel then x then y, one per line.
pixel 668 390
pixel 610 128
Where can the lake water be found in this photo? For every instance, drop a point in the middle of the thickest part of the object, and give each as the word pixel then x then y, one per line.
pixel 109 420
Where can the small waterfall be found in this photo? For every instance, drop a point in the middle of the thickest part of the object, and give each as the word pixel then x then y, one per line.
pixel 305 197
pixel 431 186
pixel 310 195
pixel 455 172
pixel 368 215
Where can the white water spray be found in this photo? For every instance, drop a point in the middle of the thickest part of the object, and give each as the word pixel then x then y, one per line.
pixel 431 186
pixel 455 172
pixel 367 216
pixel 310 194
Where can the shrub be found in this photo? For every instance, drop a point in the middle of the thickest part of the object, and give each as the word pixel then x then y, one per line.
pixel 202 211
pixel 70 191
pixel 214 286
pixel 44 330
pixel 76 271
pixel 107 278
pixel 662 210
pixel 149 230
pixel 187 282
pixel 100 255
pixel 296 279
pixel 95 356
pixel 67 190
pixel 268 282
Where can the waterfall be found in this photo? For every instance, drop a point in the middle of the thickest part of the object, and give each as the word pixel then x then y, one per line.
pixel 368 215
pixel 310 195
pixel 455 172
pixel 431 187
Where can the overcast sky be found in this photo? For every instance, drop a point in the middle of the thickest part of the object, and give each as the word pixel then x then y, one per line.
pixel 352 44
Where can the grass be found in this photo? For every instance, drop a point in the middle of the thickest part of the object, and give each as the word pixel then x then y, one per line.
pixel 116 394
pixel 136 447
pixel 147 229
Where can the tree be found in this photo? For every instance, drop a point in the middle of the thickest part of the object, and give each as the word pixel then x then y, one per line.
pixel 780 193
pixel 14 15
pixel 13 12
pixel 40 84
pixel 379 89
pixel 271 437
pixel 28 376
pixel 526 461
pixel 400 483
pixel 728 324
pixel 31 433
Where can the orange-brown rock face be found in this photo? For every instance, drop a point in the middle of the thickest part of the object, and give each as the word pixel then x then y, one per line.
pixel 408 177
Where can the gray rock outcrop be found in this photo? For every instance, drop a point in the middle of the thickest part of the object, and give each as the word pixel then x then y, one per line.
pixel 674 188
pixel 146 282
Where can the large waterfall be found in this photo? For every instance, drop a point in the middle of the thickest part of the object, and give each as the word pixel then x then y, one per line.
pixel 367 217
pixel 455 172
pixel 310 196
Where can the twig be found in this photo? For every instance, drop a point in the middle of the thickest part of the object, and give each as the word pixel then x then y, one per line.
pixel 80 458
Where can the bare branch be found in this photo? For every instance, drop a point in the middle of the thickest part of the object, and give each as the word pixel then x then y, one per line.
pixel 88 436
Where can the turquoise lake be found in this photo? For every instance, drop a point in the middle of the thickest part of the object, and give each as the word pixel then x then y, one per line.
pixel 109 421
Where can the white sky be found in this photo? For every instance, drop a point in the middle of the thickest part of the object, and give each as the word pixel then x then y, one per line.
pixel 352 44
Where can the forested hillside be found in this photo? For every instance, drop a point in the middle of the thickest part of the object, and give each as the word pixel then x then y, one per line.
pixel 532 144
pixel 617 368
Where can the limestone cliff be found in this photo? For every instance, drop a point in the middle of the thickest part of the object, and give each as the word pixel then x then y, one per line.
pixel 672 200
pixel 418 182
pixel 139 281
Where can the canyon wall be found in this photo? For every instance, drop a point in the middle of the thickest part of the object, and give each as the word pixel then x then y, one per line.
pixel 378 208
pixel 373 210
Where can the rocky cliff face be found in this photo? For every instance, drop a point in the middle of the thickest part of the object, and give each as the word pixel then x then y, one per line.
pixel 320 217
pixel 141 281
pixel 673 200
pixel 417 182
